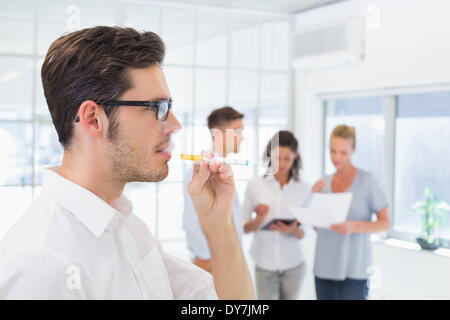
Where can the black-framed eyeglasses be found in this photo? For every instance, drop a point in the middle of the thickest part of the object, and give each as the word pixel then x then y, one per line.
pixel 162 107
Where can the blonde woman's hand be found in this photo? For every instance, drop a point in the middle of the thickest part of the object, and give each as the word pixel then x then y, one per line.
pixel 318 186
pixel 345 228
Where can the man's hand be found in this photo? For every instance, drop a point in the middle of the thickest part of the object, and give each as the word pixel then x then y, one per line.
pixel 212 192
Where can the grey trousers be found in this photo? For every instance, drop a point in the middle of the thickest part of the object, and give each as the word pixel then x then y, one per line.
pixel 279 285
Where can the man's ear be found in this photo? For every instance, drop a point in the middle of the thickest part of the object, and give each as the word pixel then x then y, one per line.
pixel 91 118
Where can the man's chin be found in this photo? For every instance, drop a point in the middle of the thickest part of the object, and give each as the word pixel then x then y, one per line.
pixel 153 175
pixel 161 175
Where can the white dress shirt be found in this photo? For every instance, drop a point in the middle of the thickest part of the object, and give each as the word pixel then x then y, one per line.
pixel 196 240
pixel 273 250
pixel 70 244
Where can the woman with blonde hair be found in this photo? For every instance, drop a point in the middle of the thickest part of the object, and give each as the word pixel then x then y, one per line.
pixel 343 252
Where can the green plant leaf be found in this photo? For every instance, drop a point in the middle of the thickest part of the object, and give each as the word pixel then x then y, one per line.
pixel 419 207
pixel 429 193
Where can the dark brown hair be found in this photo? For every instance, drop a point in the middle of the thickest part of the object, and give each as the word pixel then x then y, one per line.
pixel 286 139
pixel 222 116
pixel 92 64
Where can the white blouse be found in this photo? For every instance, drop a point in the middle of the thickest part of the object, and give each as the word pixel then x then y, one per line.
pixel 273 250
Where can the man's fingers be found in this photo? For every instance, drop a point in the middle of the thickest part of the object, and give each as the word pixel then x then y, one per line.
pixel 214 167
pixel 199 177
pixel 225 171
pixel 222 170
pixel 207 154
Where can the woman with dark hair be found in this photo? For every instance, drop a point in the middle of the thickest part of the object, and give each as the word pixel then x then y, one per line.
pixel 279 260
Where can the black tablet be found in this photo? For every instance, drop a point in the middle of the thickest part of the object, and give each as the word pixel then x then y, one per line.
pixel 285 221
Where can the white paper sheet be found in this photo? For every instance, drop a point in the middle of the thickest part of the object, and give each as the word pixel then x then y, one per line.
pixel 325 209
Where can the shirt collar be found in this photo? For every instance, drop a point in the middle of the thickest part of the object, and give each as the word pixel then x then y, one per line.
pixel 93 212
pixel 271 177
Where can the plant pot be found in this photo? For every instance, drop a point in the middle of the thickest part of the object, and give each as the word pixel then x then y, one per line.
pixel 428 245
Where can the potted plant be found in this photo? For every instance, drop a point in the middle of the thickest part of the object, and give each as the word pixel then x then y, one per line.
pixel 433 213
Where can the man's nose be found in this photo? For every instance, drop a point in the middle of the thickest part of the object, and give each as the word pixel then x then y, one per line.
pixel 171 125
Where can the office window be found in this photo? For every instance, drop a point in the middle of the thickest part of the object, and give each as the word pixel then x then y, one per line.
pixel 16 88
pixel 16 26
pixel 210 92
pixel 213 58
pixel 274 99
pixel 16 166
pixel 41 111
pixel 212 39
pixel 244 51
pixel 365 114
pixel 47 150
pixel 178 32
pixel 244 93
pixel 421 156
pixel 179 81
pixel 142 17
pixel 58 17
pixel 275 45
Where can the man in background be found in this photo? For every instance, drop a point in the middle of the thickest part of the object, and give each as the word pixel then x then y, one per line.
pixel 225 125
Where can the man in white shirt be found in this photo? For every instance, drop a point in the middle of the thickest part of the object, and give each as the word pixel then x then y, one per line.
pixel 225 125
pixel 110 105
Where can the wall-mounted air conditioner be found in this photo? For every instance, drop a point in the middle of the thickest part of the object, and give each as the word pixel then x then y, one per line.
pixel 335 44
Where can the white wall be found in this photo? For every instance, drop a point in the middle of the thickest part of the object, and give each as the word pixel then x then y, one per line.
pixel 411 48
pixel 410 273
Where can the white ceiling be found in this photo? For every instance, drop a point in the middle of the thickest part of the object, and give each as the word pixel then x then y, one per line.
pixel 279 6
